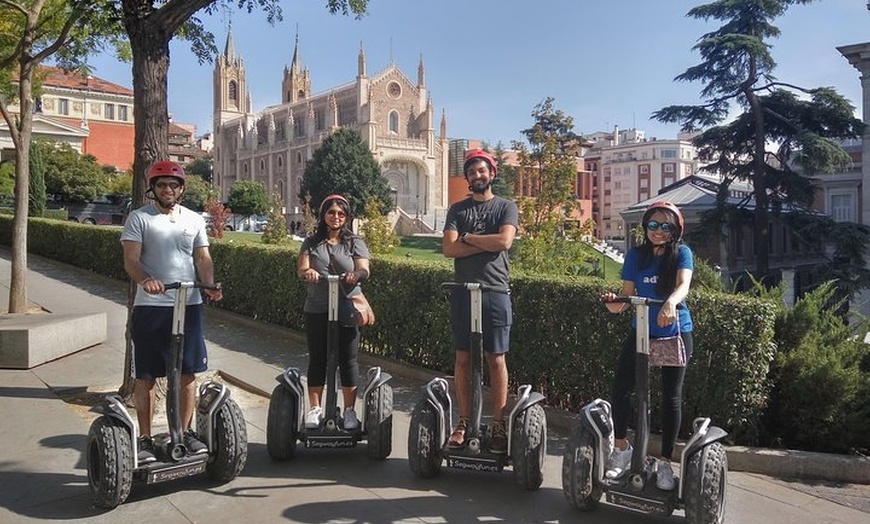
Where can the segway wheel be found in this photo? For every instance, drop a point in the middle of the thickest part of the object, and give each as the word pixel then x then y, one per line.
pixel 110 462
pixel 424 450
pixel 705 485
pixel 231 443
pixel 578 483
pixel 379 422
pixel 529 447
pixel 281 424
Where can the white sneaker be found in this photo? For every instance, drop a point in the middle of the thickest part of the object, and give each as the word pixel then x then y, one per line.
pixel 618 463
pixel 665 476
pixel 351 422
pixel 312 419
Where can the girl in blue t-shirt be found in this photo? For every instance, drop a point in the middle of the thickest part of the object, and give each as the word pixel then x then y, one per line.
pixel 661 268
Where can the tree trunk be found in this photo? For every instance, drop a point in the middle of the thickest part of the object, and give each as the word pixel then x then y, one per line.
pixel 18 280
pixel 150 48
pixel 759 187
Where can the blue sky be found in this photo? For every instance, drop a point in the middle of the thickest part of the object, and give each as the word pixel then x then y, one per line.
pixel 489 62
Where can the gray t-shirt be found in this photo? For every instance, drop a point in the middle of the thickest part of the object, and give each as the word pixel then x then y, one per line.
pixel 487 217
pixel 168 241
pixel 317 299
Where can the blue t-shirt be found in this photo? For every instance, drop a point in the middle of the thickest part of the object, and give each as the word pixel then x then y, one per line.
pixel 645 278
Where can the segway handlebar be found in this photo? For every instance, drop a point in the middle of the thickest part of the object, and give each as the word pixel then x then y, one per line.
pixel 637 301
pixel 473 285
pixel 188 285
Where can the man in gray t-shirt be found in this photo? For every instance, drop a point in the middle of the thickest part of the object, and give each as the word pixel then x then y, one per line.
pixel 478 233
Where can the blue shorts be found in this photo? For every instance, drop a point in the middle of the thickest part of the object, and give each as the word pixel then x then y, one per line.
pixel 152 332
pixel 497 315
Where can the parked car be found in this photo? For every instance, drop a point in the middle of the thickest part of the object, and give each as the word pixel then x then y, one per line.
pixel 254 223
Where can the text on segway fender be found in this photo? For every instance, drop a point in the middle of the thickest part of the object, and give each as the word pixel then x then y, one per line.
pixel 488 467
pixel 637 504
pixel 343 443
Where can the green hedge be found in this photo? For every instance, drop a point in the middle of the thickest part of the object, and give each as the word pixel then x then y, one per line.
pixel 563 340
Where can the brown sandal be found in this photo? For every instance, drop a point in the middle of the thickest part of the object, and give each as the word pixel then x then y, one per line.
pixel 457 438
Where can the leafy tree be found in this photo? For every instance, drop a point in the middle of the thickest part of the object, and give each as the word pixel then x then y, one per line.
pixel 802 124
pixel 276 231
pixel 196 192
pixel 505 182
pixel 344 164
pixel 547 165
pixel 7 182
pixel 33 31
pixel 248 197
pixel 218 215
pixel 77 177
pixel 120 183
pixel 37 182
pixel 201 166
pixel 380 237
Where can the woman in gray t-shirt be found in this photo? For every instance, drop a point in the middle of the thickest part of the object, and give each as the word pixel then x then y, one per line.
pixel 332 249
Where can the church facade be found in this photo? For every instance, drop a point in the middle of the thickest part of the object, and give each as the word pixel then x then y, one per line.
pixel 393 115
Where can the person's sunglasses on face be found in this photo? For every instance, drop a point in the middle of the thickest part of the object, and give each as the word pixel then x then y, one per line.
pixel 170 185
pixel 654 225
pixel 339 214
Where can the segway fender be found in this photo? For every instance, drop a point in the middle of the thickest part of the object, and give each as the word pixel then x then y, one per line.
pixel 291 378
pixel 436 393
pixel 376 379
pixel 114 407
pixel 713 434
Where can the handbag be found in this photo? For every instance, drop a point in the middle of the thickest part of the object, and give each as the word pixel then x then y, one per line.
pixel 365 315
pixel 353 310
pixel 667 351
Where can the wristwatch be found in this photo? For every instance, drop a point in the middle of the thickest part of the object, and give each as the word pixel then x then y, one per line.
pixel 462 238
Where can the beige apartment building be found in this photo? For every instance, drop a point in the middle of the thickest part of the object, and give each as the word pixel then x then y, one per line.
pixel 393 114
pixel 628 168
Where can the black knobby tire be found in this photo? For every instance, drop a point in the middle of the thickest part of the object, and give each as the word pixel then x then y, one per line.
pixel 578 462
pixel 281 425
pixel 529 447
pixel 110 462
pixel 424 450
pixel 705 485
pixel 379 422
pixel 231 443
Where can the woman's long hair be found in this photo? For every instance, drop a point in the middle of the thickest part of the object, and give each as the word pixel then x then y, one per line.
pixel 666 280
pixel 345 234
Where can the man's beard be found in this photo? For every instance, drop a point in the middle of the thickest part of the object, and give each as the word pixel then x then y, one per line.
pixel 478 188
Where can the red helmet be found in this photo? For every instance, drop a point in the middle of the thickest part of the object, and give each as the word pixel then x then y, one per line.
pixel 165 168
pixel 334 196
pixel 681 225
pixel 480 154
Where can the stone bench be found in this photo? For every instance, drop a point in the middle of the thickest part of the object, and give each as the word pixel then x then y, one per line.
pixel 28 340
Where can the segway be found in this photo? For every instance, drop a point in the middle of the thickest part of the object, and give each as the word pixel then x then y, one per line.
pixel 431 419
pixel 112 452
pixel 701 487
pixel 285 424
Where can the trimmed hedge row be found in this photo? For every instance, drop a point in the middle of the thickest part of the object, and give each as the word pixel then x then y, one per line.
pixel 563 341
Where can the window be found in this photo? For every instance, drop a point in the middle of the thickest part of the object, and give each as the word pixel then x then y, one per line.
pixel 299 126
pixel 644 183
pixel 669 153
pixel 63 106
pixel 262 166
pixel 233 89
pixel 668 168
pixel 280 161
pixel 394 122
pixel 643 170
pixel 122 114
pixel 109 111
pixel 319 120
pixel 842 208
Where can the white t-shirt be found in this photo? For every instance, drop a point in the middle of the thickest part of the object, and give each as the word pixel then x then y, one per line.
pixel 168 242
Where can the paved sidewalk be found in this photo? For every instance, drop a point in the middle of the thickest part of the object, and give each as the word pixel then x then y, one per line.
pixel 42 438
